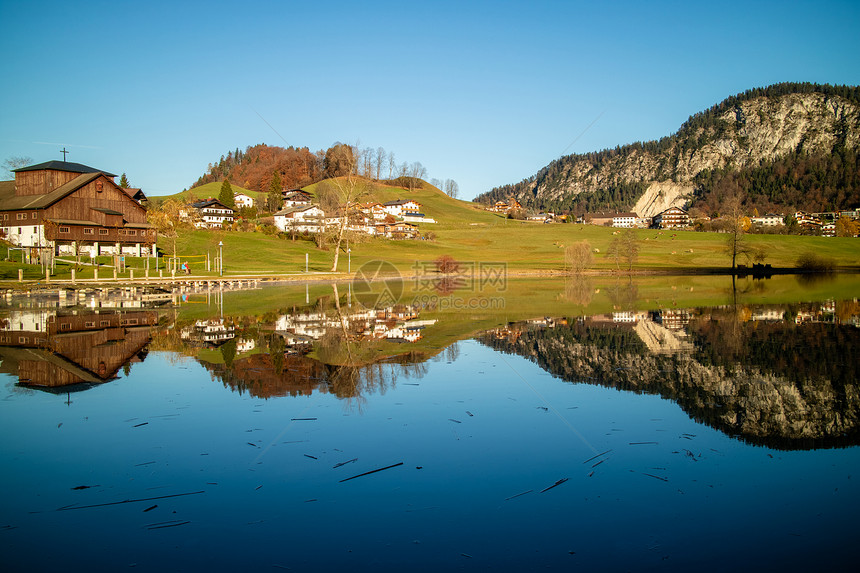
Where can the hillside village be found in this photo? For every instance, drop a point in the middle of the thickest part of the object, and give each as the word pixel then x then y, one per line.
pixel 825 224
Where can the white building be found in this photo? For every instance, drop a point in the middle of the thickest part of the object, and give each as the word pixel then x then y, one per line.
pixel 243 201
pixel 213 214
pixel 308 219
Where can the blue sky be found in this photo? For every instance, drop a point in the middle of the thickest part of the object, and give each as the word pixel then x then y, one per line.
pixel 485 93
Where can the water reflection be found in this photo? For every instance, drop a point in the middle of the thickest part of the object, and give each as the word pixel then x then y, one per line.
pixel 781 376
pixel 54 351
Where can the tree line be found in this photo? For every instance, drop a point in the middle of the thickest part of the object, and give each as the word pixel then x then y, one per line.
pixel 257 166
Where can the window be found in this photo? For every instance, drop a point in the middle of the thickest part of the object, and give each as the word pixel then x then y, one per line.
pixel 104 323
pixel 64 229
pixel 131 232
pixel 22 216
pixel 103 231
pixel 88 231
pixel 33 216
pixel 65 326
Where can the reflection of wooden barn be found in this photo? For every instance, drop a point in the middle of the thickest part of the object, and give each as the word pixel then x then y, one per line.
pixel 82 349
pixel 73 208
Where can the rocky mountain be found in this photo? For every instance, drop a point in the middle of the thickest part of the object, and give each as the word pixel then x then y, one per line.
pixel 743 132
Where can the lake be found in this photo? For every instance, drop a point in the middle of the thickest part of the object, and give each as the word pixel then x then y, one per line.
pixel 589 423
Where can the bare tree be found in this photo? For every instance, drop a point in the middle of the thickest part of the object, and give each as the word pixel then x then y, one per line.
pixel 452 189
pixel 13 163
pixel 337 197
pixel 624 248
pixel 578 257
pixel 392 165
pixel 736 224
pixel 380 161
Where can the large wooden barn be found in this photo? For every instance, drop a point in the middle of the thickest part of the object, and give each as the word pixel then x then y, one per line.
pixel 58 208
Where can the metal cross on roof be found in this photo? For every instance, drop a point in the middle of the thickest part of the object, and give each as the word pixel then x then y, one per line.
pixel 64 153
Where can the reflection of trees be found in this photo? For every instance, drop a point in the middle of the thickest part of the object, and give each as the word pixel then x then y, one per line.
pixel 578 290
pixel 623 294
pixel 782 385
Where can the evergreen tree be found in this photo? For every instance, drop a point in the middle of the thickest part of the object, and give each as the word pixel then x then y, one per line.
pixel 123 181
pixel 274 199
pixel 226 196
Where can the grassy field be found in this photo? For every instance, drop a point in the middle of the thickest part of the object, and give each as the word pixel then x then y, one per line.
pixel 467 233
pixel 470 234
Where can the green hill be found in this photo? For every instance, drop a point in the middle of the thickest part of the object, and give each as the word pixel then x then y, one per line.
pixel 204 192
pixel 436 204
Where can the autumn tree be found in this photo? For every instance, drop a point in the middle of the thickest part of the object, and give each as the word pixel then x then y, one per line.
pixel 226 196
pixel 167 219
pixel 340 160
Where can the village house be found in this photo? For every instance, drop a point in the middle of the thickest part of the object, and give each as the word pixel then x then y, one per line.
pixel 304 219
pixel 296 198
pixel 768 220
pixel 243 201
pixel 213 214
pixel 402 206
pixel 59 207
pixel 506 206
pixel 620 220
pixel 671 218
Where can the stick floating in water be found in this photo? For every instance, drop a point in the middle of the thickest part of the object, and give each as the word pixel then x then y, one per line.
pixel 372 472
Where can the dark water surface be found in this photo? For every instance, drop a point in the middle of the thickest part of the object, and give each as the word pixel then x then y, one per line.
pixel 203 436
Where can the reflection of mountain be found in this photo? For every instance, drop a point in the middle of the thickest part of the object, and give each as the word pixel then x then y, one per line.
pixel 75 351
pixel 784 385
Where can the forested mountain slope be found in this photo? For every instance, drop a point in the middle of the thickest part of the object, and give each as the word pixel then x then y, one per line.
pixel 792 145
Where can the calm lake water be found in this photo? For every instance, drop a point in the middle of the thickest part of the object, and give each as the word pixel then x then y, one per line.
pixel 576 425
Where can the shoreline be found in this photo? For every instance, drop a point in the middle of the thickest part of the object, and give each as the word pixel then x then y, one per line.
pixel 10 286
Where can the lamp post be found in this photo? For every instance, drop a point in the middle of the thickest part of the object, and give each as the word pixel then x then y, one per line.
pixel 349 261
pixel 221 257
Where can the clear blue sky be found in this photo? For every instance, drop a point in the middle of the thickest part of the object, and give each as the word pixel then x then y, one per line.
pixel 485 93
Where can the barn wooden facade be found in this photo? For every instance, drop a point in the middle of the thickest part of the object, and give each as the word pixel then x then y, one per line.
pixel 69 208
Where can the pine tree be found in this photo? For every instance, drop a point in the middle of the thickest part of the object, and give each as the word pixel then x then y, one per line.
pixel 274 199
pixel 123 181
pixel 226 196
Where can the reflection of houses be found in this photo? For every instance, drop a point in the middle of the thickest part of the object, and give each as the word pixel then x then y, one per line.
pixel 396 323
pixel 212 332
pixel 69 207
pixel 66 350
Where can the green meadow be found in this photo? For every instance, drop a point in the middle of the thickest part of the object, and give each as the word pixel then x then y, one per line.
pixel 463 231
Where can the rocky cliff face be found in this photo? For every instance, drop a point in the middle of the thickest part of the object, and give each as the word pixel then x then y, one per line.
pixel 738 135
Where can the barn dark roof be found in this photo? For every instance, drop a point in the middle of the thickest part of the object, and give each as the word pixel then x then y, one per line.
pixel 11 202
pixel 63 166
